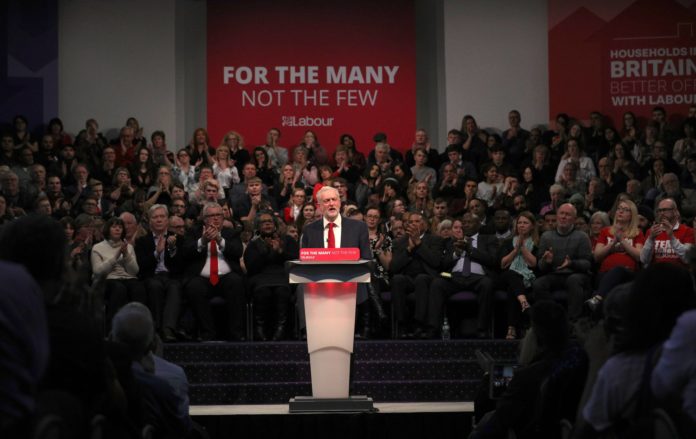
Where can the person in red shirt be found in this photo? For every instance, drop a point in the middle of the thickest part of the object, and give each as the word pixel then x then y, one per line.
pixel 668 239
pixel 618 250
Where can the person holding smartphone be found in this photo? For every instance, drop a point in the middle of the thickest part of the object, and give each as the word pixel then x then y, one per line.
pixel 668 239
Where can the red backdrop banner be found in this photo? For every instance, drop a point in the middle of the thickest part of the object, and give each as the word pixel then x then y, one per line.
pixel 621 56
pixel 332 67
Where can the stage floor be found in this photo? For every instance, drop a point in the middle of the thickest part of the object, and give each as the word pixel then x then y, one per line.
pixel 282 409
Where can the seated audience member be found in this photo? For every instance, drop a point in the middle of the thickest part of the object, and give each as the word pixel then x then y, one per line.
pixel 211 256
pixel 381 246
pixel 344 167
pixel 518 261
pixel 264 259
pixel 649 319
pixel 285 185
pixel 685 198
pixel 113 260
pixel 421 141
pixel 557 194
pixel 199 195
pixel 164 384
pixel 246 208
pixel 490 189
pixel 570 180
pixel 546 387
pixel 502 222
pixel 479 208
pixel 421 171
pixel 420 199
pixel 618 250
pixel 415 263
pixel 470 261
pixel 575 154
pixel 668 239
pixel 161 191
pixel 564 262
pixel 159 272
pixel 184 172
pixel 294 208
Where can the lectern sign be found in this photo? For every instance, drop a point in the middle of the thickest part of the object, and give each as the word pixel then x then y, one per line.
pixel 329 254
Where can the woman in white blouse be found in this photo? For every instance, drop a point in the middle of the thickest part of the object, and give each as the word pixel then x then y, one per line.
pixel 574 153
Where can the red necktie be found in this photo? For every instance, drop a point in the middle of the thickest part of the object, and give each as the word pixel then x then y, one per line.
pixel 213 264
pixel 332 238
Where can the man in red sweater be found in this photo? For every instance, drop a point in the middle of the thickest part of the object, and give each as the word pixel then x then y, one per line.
pixel 668 239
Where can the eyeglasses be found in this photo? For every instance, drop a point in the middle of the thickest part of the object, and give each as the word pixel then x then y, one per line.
pixel 665 209
pixel 623 209
pixel 372 216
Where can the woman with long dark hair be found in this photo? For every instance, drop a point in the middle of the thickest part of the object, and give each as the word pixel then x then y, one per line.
pixel 517 262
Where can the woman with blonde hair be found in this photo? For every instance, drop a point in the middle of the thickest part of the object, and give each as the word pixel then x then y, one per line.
pixel 223 168
pixel 420 199
pixel 517 261
pixel 238 154
pixel 618 250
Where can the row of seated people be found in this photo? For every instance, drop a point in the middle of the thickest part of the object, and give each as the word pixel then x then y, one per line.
pixel 595 161
pixel 167 266
pixel 60 376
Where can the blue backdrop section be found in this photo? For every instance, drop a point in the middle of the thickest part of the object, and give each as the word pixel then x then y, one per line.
pixel 28 61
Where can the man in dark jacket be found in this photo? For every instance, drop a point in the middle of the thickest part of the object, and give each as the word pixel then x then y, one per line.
pixel 468 265
pixel 415 263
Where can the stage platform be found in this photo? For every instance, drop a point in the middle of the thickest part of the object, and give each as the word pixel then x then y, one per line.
pixel 421 420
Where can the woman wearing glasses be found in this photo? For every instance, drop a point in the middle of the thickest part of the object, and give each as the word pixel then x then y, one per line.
pixel 618 250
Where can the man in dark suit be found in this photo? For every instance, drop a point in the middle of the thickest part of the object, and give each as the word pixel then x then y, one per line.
pixel 158 273
pixel 470 261
pixel 265 258
pixel 415 262
pixel 211 259
pixel 346 233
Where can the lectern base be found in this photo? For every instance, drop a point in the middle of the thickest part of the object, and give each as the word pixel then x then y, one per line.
pixel 308 404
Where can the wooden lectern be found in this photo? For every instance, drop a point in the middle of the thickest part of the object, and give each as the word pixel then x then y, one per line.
pixel 329 289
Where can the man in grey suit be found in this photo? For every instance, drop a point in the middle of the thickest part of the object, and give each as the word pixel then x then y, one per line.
pixel 334 230
pixel 471 261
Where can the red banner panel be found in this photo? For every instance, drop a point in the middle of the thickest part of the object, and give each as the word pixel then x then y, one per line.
pixel 627 56
pixel 332 67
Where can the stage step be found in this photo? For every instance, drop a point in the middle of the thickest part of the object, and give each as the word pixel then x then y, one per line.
pixel 385 391
pixel 371 370
pixel 388 371
pixel 369 350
